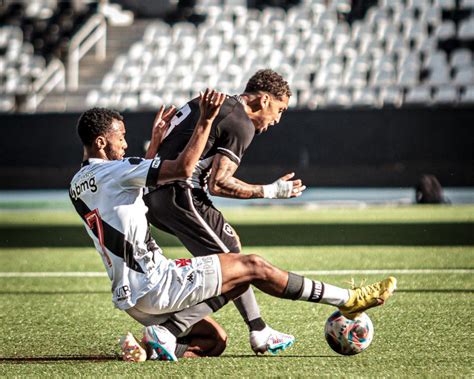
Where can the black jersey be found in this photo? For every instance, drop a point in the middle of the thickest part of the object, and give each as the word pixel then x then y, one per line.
pixel 232 132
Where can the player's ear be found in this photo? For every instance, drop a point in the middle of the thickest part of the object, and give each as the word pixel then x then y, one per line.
pixel 100 142
pixel 264 100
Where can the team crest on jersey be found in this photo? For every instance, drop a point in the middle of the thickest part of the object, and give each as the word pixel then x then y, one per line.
pixel 183 262
pixel 228 230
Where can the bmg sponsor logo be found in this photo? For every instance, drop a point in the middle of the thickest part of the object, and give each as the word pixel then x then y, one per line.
pixel 82 186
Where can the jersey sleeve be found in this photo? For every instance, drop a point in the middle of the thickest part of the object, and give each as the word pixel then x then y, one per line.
pixel 137 172
pixel 233 138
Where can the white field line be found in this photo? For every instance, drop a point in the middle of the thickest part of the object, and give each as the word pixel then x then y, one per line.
pixel 306 272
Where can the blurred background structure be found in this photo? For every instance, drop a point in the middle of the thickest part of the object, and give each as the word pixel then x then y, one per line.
pixel 383 90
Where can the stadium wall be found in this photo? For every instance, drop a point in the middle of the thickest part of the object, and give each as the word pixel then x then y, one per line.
pixel 353 147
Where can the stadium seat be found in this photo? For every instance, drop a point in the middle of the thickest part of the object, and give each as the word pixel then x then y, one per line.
pixel 383 77
pixel 466 29
pixel 429 45
pixel 354 78
pixel 7 103
pixel 461 58
pixel 464 76
pixel 338 96
pixel 439 75
pixel 271 13
pixel 431 15
pixel 408 77
pixel 445 95
pixel 155 30
pixel 467 4
pixel 300 80
pixel 445 4
pixel 364 97
pixel 467 97
pixel 128 101
pixel 418 96
pixel 391 96
pixel 436 59
pixel 445 30
pixel 149 99
pixel 420 4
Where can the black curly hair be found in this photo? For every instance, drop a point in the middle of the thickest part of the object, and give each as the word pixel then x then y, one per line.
pixel 96 122
pixel 269 81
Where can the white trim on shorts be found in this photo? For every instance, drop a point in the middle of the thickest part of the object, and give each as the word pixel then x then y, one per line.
pixel 213 235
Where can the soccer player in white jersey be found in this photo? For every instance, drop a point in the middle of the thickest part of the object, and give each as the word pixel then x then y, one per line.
pixel 107 194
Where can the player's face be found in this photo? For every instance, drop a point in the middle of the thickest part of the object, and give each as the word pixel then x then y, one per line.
pixel 271 112
pixel 116 143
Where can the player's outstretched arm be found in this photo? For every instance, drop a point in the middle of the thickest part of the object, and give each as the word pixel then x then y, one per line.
pixel 183 166
pixel 223 183
pixel 160 127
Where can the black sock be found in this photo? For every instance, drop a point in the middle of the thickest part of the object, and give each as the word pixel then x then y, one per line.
pixel 301 288
pixel 256 324
pixel 295 286
pixel 182 345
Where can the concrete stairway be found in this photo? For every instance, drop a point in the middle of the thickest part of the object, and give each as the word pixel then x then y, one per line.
pixel 92 71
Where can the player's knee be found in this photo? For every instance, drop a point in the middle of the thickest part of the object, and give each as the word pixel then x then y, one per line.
pixel 258 266
pixel 220 344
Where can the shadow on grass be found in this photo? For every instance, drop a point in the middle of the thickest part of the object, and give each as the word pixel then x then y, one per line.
pixel 103 358
pixel 41 293
pixel 397 234
pixel 47 359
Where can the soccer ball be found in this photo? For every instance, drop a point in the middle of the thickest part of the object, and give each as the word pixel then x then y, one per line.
pixel 346 336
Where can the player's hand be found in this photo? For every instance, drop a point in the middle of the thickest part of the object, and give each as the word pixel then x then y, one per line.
pixel 284 188
pixel 162 123
pixel 210 103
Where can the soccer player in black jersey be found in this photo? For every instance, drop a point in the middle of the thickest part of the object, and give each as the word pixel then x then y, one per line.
pixel 183 208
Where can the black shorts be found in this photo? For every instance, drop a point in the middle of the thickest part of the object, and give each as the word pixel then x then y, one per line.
pixel 190 215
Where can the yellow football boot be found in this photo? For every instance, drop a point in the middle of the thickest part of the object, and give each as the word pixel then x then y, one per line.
pixel 366 297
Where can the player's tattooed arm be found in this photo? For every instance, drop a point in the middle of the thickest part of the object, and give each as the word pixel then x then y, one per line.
pixel 223 183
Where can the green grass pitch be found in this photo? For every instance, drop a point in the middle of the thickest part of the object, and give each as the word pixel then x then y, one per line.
pixel 66 326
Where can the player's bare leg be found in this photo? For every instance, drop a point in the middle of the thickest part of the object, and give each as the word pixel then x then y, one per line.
pixel 242 269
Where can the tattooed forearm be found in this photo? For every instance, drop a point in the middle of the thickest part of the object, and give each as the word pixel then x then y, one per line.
pixel 223 183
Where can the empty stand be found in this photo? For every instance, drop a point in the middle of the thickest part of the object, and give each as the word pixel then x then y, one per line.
pixel 387 53
pixel 391 56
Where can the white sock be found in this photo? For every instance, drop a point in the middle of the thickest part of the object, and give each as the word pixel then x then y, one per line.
pixel 334 295
pixel 324 293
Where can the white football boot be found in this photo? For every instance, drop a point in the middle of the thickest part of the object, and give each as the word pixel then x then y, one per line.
pixel 161 342
pixel 270 340
pixel 132 350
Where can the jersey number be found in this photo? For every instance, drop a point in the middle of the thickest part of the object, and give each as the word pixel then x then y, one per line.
pixel 95 222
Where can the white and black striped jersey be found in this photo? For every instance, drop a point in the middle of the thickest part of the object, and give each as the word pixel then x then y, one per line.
pixel 231 134
pixel 108 197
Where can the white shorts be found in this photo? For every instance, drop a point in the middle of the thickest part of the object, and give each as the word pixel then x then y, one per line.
pixel 186 282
